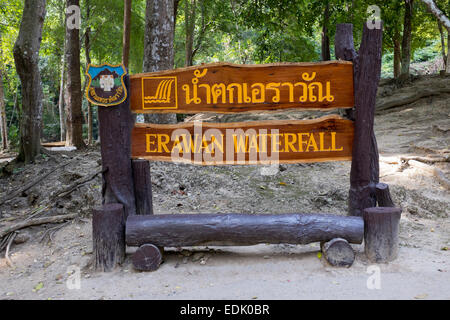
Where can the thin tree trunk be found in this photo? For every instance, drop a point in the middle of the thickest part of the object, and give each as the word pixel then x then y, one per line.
pixel 442 18
pixel 407 36
pixel 202 32
pixel 74 118
pixel 397 54
pixel 3 122
pixel 158 45
pixel 26 57
pixel 87 50
pixel 447 69
pixel 175 13
pixel 62 121
pixel 325 52
pixel 190 13
pixel 126 32
pixel 444 56
pixel 15 107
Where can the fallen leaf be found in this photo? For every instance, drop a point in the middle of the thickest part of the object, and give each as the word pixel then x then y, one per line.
pixel 38 287
pixel 444 248
pixel 421 296
pixel 319 255
pixel 283 183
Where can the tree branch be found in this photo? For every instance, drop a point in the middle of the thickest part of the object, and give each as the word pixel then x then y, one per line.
pixel 438 13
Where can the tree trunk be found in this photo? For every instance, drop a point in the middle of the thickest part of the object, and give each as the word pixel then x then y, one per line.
pixel 3 123
pixel 397 54
pixel 406 42
pixel 442 18
pixel 74 115
pixel 175 13
pixel 441 32
pixel 325 52
pixel 447 69
pixel 26 57
pixel 87 50
pixel 190 13
pixel 158 45
pixel 126 32
pixel 62 121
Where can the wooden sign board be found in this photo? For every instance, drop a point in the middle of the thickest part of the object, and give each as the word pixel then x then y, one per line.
pixel 229 88
pixel 260 142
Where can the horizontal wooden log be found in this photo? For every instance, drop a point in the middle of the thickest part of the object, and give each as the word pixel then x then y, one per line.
pixel 261 142
pixel 178 230
pixel 230 88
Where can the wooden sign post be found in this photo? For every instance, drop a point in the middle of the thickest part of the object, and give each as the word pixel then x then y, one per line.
pixel 364 173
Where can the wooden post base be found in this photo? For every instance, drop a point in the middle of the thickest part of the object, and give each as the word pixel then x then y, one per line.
pixel 381 233
pixel 108 234
pixel 147 258
pixel 338 252
pixel 142 186
pixel 383 195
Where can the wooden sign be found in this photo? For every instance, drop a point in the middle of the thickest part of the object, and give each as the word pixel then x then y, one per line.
pixel 229 88
pixel 260 142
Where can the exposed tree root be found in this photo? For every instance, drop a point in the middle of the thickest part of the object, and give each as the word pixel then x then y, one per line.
pixel 390 103
pixel 35 222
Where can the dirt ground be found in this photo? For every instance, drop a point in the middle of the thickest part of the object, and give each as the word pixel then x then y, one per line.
pixel 46 259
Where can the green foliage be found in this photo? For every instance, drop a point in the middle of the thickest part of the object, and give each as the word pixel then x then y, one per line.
pixel 239 31
pixel 13 136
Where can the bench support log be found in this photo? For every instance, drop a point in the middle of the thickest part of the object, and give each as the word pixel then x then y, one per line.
pixel 147 258
pixel 338 252
pixel 381 233
pixel 178 230
pixel 108 234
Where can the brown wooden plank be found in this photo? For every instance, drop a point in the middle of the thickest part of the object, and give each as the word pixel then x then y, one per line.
pixel 326 139
pixel 230 88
